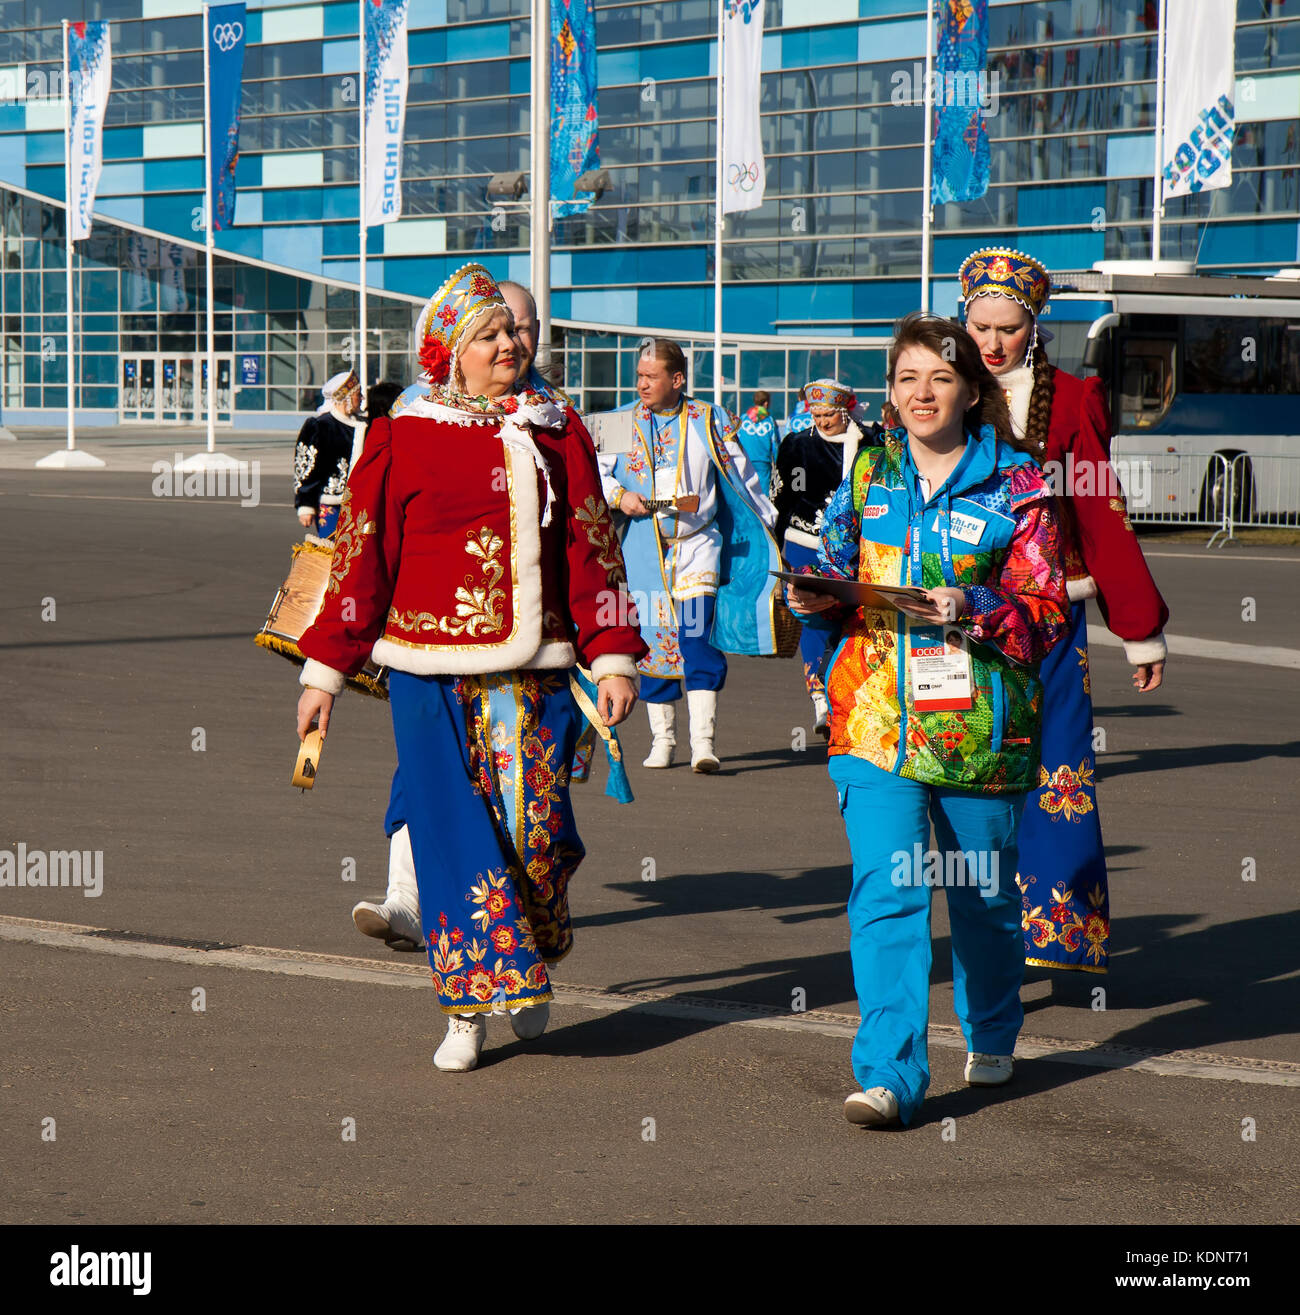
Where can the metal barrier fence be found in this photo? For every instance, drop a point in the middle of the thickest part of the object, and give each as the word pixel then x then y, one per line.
pixel 1218 491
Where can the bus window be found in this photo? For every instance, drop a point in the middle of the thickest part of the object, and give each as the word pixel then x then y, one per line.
pixel 1146 381
pixel 1241 354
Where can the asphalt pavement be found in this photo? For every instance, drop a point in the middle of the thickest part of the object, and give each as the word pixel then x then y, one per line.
pixel 698 1053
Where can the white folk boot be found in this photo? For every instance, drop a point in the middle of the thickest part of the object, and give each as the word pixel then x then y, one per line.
pixel 397 920
pixel 703 704
pixel 663 726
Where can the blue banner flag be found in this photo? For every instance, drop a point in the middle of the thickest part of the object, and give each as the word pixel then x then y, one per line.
pixel 387 79
pixel 961 142
pixel 227 26
pixel 574 148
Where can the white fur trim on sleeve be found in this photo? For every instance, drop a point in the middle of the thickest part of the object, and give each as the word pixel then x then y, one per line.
pixel 316 675
pixel 1141 652
pixel 613 664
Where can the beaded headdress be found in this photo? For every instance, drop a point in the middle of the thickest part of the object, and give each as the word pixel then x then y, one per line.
pixel 829 392
pixel 444 323
pixel 1008 274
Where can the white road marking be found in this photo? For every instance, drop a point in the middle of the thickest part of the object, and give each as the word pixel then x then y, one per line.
pixel 114 497
pixel 1204 1065
pixel 1216 649
pixel 1222 557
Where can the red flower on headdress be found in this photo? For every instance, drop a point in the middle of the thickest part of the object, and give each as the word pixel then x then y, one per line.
pixel 448 315
pixel 435 360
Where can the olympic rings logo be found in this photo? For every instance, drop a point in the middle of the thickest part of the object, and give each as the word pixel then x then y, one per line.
pixel 226 36
pixel 743 177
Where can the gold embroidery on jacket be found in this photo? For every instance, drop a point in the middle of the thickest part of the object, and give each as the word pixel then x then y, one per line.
pixel 594 517
pixel 348 542
pixel 478 606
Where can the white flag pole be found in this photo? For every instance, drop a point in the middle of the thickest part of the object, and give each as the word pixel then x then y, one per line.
pixel 927 206
pixel 67 232
pixel 721 221
pixel 208 219
pixel 361 201
pixel 1157 195
pixel 541 211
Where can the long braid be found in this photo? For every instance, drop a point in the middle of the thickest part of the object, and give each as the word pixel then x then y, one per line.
pixel 1039 420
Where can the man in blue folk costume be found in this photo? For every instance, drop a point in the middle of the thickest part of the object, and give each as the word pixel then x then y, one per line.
pixel 699 549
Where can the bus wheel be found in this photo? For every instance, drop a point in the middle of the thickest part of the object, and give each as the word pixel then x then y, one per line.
pixel 1214 488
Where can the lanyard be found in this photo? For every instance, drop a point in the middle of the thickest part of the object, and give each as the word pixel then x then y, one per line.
pixel 944 514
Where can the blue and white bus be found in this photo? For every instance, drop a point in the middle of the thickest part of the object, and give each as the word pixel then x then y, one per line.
pixel 1203 379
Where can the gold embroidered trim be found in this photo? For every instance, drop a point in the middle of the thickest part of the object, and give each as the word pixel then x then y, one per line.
pixel 594 517
pixel 348 543
pixel 478 606
pixel 1072 967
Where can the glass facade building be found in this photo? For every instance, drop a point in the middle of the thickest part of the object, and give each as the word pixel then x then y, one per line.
pixel 834 252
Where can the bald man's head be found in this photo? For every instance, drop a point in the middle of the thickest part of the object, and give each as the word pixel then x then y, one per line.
pixel 524 309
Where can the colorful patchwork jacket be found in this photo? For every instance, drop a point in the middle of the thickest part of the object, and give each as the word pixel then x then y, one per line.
pixel 1004 553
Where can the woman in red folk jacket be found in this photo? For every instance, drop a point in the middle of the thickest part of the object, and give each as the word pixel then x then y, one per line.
pixel 476 559
pixel 1062 877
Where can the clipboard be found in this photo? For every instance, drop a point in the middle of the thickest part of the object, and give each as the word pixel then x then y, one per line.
pixel 857 593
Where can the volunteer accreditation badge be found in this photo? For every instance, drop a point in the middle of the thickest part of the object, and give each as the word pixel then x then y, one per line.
pixel 939 662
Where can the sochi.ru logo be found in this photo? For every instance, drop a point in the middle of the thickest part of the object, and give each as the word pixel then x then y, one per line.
pixel 226 36
pixel 742 8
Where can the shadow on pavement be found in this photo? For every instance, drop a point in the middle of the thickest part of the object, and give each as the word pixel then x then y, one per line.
pixel 1168 760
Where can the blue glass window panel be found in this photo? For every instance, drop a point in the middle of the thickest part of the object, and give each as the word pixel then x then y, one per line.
pixel 416 275
pixel 13 118
pixel 881 300
pixel 123 143
pixel 100 398
pixel 690 59
pixel 13 292
pixel 341 20
pixel 814 301
pixel 339 240
pixel 681 265
pixel 950 251
pixel 129 208
pixel 1130 157
pixel 878 42
pixel 248 172
pixel 520 76
pixel 1251 243
pixel 675 308
pixel 101 367
pixel 242 241
pixel 298 248
pixel 1041 207
pixel 614 67
pixel 102 323
pixel 339 203
pixel 173 175
pixel 173 214
pixel 13 160
pixel 253 25
pixel 426 47
pixel 1067 250
pixel 248 207
pixel 99 292
pixel 562 305
pixel 47 180
pixel 290 205
pixel 53 293
pixel 45 148
pixel 486 41
pixel 428 13
pixel 249 398
pixel 606 306
pixel 747 309
pixel 603 267
pixel 839 45
pixel 121 180
pixel 340 56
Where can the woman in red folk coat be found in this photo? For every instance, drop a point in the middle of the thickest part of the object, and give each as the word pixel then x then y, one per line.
pixel 476 559
pixel 1062 877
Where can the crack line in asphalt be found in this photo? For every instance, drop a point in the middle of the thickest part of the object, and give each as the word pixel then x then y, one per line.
pixel 1205 1065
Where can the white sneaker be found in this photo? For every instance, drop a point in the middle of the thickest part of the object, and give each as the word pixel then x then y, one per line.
pixel 663 724
pixel 989 1070
pixel 529 1023
pixel 876 1108
pixel 460 1047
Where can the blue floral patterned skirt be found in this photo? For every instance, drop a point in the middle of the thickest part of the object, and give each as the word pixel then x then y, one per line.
pixel 1065 898
pixel 482 783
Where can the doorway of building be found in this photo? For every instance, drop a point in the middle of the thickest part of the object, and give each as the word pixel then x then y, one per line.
pixel 158 388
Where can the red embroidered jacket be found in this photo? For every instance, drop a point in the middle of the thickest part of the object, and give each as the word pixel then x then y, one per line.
pixel 442 566
pixel 1103 556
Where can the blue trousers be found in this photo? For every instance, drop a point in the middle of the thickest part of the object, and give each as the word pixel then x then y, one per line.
pixel 888 820
pixel 705 666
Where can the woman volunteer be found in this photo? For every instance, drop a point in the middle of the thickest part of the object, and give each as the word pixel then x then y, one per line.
pixel 1065 425
pixel 476 556
pixel 921 733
